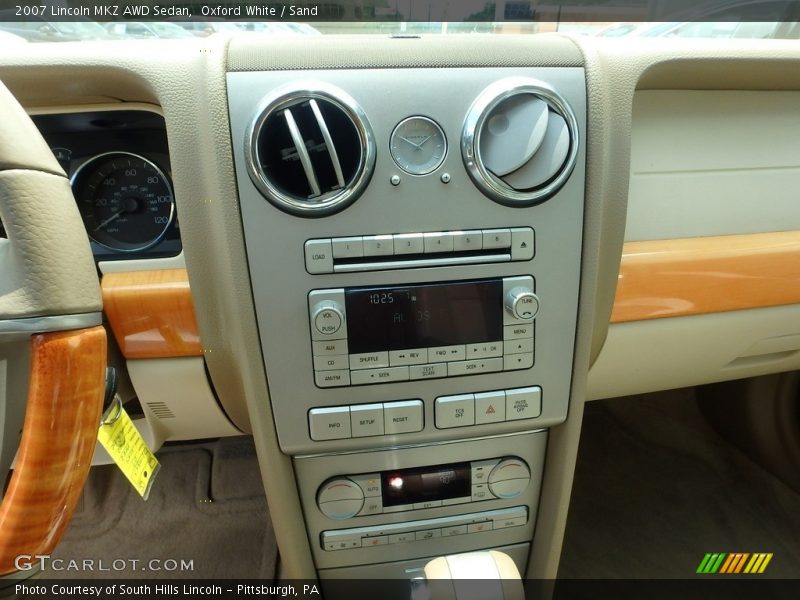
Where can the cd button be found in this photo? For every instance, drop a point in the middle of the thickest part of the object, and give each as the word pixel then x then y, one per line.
pixel 327 347
pixel 490 407
pixel 485 350
pixel 408 243
pixel 467 241
pixel 402 417
pixel 517 332
pixel 325 379
pixel 386 375
pixel 331 363
pixel 369 360
pixel 428 371
pixel 438 242
pixel 447 353
pixel 408 357
pixel 348 247
pixel 378 245
pixel 512 362
pixel 496 238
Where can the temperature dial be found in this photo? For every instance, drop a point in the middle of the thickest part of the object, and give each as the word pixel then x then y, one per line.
pixel 340 498
pixel 522 303
pixel 509 478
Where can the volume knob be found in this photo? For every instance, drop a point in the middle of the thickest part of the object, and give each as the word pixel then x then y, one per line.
pixel 522 303
pixel 327 317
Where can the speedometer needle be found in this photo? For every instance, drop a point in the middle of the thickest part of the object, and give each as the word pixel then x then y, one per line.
pixel 109 219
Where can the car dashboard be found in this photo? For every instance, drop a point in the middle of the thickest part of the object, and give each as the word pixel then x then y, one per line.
pixel 405 263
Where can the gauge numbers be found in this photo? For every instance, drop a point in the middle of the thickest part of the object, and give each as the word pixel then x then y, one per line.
pixel 418 145
pixel 125 200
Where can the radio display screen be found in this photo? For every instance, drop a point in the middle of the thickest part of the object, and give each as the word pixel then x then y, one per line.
pixel 440 482
pixel 424 316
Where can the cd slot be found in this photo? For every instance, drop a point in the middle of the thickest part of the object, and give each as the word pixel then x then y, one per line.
pixel 412 261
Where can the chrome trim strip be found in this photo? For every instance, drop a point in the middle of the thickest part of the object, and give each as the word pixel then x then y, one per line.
pixel 326 135
pixel 421 262
pixel 302 152
pixel 32 325
pixel 422 444
pixel 491 185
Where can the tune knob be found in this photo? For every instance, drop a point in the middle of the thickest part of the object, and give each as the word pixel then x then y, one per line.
pixel 340 498
pixel 522 303
pixel 327 317
pixel 509 478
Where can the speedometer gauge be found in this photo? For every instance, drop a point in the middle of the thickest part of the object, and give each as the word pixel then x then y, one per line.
pixel 125 200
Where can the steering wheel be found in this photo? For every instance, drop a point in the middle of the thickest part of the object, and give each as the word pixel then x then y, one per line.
pixel 52 343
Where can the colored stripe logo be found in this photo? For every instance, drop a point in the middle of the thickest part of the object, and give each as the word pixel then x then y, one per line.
pixel 734 563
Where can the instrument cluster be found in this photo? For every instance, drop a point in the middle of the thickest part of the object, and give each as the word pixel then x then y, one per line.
pixel 119 169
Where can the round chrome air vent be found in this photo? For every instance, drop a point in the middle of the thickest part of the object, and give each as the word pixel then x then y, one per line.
pixel 520 141
pixel 310 150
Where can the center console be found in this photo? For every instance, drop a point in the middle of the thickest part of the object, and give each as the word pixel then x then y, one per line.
pixel 414 242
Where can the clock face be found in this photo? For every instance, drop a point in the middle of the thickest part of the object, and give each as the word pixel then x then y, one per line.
pixel 418 145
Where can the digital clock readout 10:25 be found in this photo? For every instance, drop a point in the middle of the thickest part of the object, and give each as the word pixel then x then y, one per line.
pixel 379 298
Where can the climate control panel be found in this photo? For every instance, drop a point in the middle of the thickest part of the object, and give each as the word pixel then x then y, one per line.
pixel 347 496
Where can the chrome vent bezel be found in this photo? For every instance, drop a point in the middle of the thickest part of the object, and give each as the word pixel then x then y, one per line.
pixel 491 185
pixel 331 201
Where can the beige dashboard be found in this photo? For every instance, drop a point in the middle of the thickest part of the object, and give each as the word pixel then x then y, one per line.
pixel 690 158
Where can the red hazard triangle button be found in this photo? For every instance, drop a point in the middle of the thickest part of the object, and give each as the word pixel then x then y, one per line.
pixel 490 410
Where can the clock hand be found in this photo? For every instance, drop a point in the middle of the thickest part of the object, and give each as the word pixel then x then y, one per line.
pixel 417 146
pixel 425 140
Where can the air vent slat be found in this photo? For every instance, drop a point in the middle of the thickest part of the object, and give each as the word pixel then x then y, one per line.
pixel 302 151
pixel 310 150
pixel 326 135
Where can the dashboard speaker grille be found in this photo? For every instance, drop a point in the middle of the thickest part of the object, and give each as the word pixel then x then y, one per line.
pixel 520 142
pixel 310 150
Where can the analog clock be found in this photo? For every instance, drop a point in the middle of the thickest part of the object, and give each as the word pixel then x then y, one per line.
pixel 418 145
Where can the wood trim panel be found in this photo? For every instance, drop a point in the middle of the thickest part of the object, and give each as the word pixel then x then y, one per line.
pixel 65 401
pixel 151 313
pixel 674 278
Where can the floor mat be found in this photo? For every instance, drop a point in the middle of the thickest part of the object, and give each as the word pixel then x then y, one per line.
pixel 206 509
pixel 656 488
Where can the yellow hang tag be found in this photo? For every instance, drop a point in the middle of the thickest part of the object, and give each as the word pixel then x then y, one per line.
pixel 127 448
